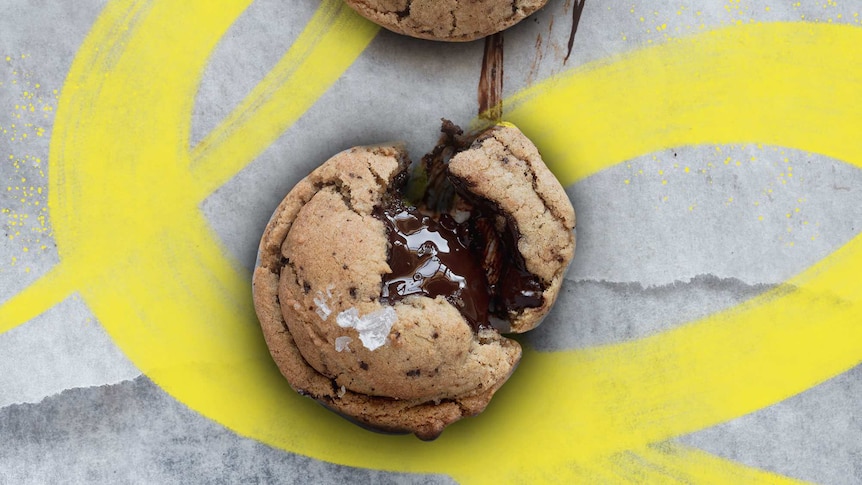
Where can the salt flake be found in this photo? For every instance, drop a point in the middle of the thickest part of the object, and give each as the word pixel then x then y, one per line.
pixel 323 310
pixel 341 343
pixel 373 328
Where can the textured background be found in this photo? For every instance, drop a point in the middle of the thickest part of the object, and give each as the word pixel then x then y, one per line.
pixel 662 239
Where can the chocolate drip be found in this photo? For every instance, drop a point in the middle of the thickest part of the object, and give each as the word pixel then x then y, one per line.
pixel 577 10
pixel 491 79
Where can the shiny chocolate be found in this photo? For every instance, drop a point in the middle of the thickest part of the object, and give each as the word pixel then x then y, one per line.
pixel 432 258
pixel 510 286
pixel 474 268
pixel 475 264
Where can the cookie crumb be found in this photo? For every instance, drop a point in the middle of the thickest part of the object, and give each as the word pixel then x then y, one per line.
pixel 373 328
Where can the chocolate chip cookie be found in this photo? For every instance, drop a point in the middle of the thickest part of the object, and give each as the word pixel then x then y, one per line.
pixel 387 308
pixel 446 20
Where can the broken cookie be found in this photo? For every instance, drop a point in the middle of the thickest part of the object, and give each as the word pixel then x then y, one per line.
pixel 446 20
pixel 389 310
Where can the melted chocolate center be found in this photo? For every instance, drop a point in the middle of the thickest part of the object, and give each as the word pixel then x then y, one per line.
pixel 475 265
pixel 432 258
pixel 510 285
pixel 470 264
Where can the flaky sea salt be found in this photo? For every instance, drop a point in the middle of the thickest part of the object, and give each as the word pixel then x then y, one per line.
pixel 373 328
pixel 323 310
pixel 341 343
pixel 461 216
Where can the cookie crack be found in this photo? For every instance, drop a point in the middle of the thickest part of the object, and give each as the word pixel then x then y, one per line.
pixel 534 180
pixel 402 14
pixel 285 262
pixel 454 23
pixel 288 262
pixel 344 191
pixel 341 189
pixel 377 177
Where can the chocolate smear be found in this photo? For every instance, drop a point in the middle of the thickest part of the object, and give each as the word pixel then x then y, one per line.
pixel 491 79
pixel 577 10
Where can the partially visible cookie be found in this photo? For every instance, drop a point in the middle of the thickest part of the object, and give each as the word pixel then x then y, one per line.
pixel 446 20
pixel 389 312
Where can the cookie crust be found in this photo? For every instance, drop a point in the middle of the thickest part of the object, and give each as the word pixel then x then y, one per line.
pixel 446 20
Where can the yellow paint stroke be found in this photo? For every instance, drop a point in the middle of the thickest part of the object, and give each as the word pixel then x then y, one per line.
pixel 107 55
pixel 335 36
pixel 38 297
pixel 124 205
pixel 655 464
pixel 674 463
pixel 623 107
pixel 113 29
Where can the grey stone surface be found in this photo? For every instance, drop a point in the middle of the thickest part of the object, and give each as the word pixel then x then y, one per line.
pixel 756 213
pixel 812 436
pixel 38 40
pixel 663 239
pixel 132 432
pixel 63 348
pixel 590 312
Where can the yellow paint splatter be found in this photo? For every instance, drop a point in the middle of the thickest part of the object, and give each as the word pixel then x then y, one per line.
pixel 24 172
